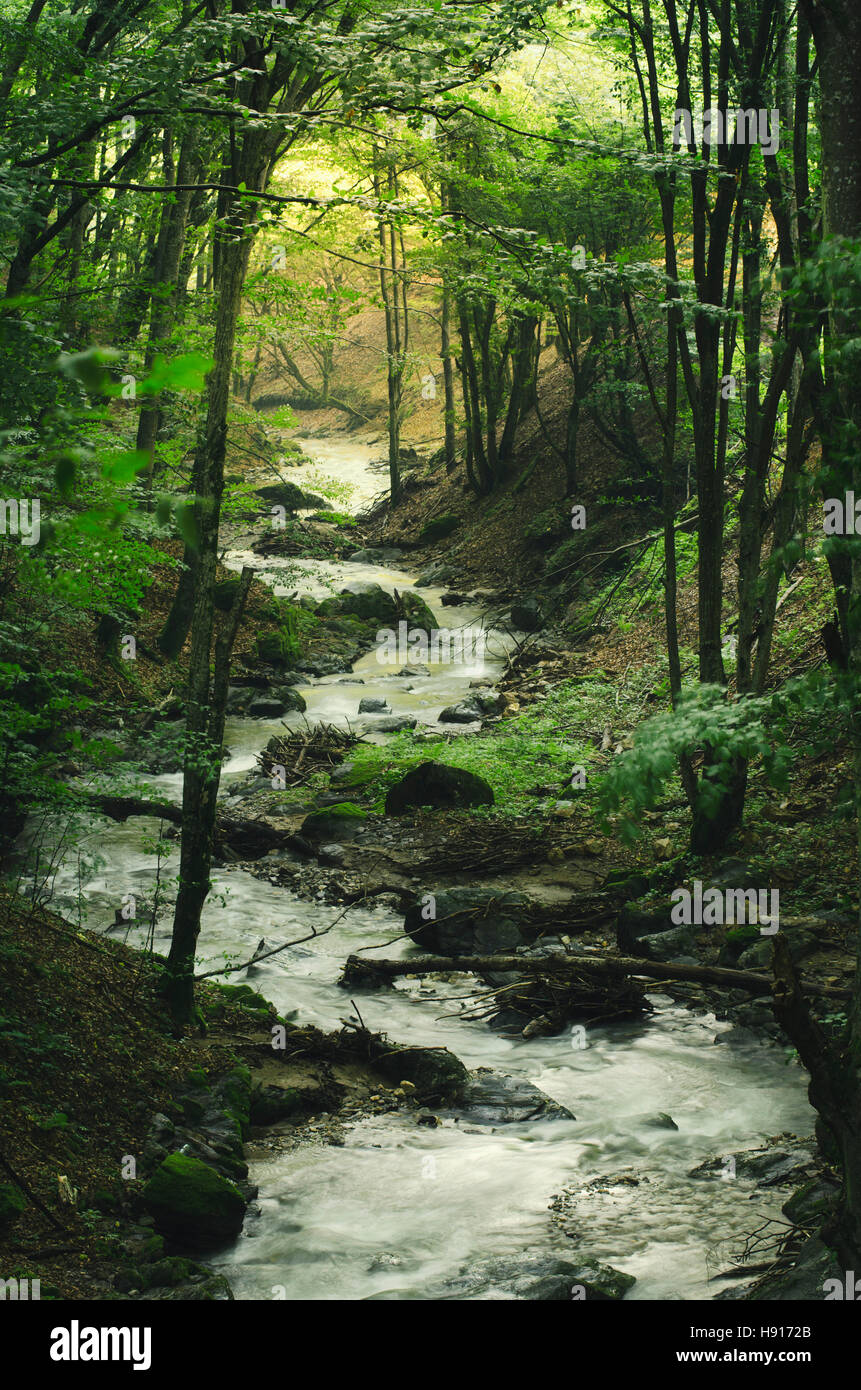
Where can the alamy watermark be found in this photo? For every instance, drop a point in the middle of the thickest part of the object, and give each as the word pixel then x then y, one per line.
pixel 726 906
pixel 21 518
pixel 751 126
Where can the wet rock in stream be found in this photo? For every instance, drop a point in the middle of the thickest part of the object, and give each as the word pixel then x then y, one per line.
pixel 540 1277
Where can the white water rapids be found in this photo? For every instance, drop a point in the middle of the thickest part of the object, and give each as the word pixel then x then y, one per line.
pixel 400 1209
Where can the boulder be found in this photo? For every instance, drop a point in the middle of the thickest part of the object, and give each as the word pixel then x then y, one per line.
pixel 474 707
pixel 334 823
pixel 540 1277
pixel 394 724
pixel 466 712
pixel 191 1203
pixel 267 707
pixel 435 784
pixel 470 922
pixel 434 576
pixel 437 1074
pixel 494 1098
pixel 372 705
pixel 667 945
pixel 372 601
pixel 634 923
pixel 291 497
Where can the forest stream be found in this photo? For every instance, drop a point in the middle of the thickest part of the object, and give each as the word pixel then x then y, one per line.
pixel 410 1211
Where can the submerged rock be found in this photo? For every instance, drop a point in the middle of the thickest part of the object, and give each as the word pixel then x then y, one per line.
pixel 540 1278
pixel 496 1099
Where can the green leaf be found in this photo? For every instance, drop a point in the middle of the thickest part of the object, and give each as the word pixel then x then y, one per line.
pixel 187 524
pixel 124 468
pixel 64 474
pixel 185 373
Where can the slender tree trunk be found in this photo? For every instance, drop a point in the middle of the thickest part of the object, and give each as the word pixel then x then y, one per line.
pixel 205 711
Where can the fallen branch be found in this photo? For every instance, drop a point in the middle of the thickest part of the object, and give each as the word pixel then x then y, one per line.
pixel 357 970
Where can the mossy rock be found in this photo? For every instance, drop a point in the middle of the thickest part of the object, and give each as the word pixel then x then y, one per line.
pixel 193 1204
pixel 602 1283
pixel 549 526
pixel 435 1072
pixel 269 1104
pixel 280 648
pixel 166 1273
pixel 12 1204
pixel 361 601
pixel 418 613
pixel 811 1205
pixel 439 528
pixel 236 1090
pixel 193 1109
pixel 339 822
pixel 245 997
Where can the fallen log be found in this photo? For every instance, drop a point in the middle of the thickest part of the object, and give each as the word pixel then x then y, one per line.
pixel 360 971
pixel 122 807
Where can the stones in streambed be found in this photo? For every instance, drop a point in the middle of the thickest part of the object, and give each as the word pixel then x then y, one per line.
pixel 494 1098
pixel 435 576
pixel 436 784
pixel 470 922
pixel 192 1204
pixel 373 705
pixel 372 601
pixel 437 1075
pixel 473 708
pixel 540 1277
pixel 245 700
pixel 393 724
pixel 777 1165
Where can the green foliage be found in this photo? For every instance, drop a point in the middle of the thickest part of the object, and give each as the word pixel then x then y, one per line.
pixel 704 720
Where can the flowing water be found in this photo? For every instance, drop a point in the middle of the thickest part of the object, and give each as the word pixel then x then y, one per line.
pixel 408 1211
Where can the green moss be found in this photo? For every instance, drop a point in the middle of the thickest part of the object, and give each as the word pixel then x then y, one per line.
pixel 191 1202
pixel 237 1094
pixel 269 1104
pixel 280 648
pixel 439 528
